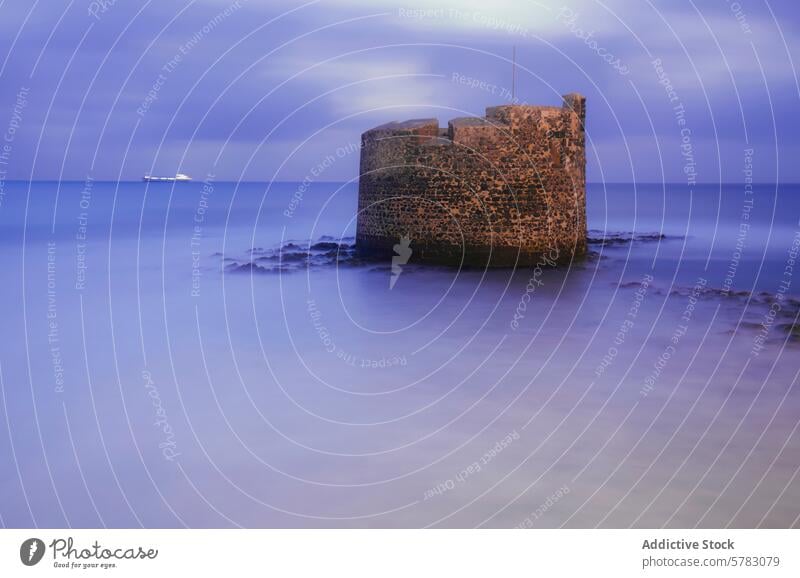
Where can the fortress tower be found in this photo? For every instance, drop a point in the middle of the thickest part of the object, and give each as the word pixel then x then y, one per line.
pixel 504 190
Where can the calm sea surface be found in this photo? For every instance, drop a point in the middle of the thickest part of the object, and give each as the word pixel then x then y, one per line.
pixel 190 355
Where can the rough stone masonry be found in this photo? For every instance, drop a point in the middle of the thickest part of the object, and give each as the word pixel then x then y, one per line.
pixel 505 190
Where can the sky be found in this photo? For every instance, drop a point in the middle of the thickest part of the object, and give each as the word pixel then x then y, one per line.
pixel 275 90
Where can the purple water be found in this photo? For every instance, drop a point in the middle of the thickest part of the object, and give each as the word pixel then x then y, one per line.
pixel 146 381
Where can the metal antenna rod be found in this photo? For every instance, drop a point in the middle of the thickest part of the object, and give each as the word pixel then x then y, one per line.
pixel 514 74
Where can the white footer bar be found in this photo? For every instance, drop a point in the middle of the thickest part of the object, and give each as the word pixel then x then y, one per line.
pixel 400 553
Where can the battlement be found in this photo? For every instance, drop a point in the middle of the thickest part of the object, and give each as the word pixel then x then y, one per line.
pixel 497 190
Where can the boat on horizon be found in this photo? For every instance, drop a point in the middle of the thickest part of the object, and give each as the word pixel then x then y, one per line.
pixel 177 178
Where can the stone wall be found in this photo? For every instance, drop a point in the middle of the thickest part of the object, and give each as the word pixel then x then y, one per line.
pixel 502 190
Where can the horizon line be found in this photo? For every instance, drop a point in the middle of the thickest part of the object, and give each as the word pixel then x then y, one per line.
pixel 353 181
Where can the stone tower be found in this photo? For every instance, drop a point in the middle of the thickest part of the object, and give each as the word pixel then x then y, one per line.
pixel 504 190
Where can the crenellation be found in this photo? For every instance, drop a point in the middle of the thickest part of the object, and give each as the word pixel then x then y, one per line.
pixel 501 190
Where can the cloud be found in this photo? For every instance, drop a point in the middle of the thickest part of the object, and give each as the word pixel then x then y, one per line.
pixel 468 19
pixel 351 64
pixel 715 48
pixel 357 83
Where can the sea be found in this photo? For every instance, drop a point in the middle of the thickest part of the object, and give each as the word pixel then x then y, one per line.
pixel 216 354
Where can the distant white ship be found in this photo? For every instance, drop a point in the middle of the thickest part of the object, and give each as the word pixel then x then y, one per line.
pixel 178 177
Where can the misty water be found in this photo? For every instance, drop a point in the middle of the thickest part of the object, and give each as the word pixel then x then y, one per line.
pixel 189 355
